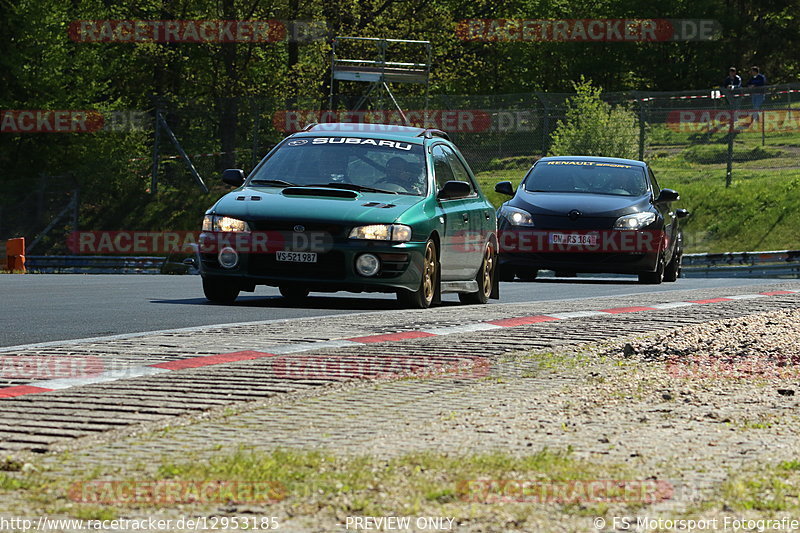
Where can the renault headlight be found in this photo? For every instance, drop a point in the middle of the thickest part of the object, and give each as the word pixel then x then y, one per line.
pixel 515 216
pixel 224 224
pixel 382 232
pixel 635 221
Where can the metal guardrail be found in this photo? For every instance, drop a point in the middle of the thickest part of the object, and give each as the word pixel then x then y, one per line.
pixel 772 264
pixel 741 258
pixel 93 264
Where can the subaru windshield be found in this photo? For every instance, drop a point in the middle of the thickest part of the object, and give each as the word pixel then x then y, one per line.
pixel 363 164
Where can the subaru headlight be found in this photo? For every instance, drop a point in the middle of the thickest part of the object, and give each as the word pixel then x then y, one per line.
pixel 382 232
pixel 224 224
pixel 515 216
pixel 635 221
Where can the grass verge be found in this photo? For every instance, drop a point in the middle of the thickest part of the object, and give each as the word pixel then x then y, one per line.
pixel 757 494
pixel 324 487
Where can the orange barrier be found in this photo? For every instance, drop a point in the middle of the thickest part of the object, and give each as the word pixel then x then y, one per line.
pixel 15 253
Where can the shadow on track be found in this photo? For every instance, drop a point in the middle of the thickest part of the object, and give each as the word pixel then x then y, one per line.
pixel 344 303
pixel 582 281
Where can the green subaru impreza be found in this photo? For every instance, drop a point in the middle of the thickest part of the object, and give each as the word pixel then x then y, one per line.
pixel 349 207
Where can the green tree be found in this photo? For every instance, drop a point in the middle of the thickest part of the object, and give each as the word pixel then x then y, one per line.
pixel 594 127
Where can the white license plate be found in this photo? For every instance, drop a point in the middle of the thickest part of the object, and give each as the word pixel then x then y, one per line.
pixel 573 238
pixel 296 257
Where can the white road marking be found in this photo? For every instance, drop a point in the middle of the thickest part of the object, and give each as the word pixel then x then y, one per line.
pixel 467 328
pixel 308 346
pixel 105 377
pixel 672 305
pixel 576 314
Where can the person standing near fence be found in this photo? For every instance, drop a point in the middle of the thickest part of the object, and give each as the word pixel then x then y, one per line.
pixel 757 81
pixel 733 81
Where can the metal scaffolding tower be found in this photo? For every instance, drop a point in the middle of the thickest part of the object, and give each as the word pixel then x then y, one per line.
pixel 378 71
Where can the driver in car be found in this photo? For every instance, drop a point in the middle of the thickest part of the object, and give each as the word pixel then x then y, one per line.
pixel 400 175
pixel 616 183
pixel 331 166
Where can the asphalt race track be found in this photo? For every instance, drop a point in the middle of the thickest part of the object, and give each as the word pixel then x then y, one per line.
pixel 43 308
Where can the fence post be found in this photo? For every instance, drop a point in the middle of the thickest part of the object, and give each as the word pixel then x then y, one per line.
pixel 40 198
pixel 156 139
pixel 75 209
pixel 729 171
pixel 641 126
pixel 545 123
pixel 732 106
pixel 256 127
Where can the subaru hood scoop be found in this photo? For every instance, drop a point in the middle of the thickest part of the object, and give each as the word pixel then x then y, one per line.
pixel 319 191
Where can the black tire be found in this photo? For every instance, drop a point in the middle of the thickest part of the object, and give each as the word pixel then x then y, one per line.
pixel 220 291
pixel 485 279
pixel 527 274
pixel 423 297
pixel 653 278
pixel 293 293
pixel 673 269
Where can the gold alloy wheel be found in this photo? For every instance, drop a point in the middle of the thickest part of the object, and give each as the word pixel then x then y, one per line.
pixel 488 267
pixel 428 275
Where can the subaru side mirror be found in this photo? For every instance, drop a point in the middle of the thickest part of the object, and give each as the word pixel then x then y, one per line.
pixel 233 176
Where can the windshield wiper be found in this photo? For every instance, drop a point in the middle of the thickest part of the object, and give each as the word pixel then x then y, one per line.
pixel 351 187
pixel 274 182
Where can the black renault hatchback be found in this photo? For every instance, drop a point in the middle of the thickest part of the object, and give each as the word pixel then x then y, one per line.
pixel 590 214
